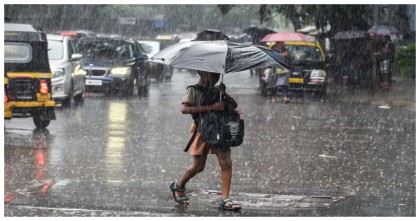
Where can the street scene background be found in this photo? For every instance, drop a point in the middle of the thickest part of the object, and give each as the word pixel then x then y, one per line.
pixel 350 152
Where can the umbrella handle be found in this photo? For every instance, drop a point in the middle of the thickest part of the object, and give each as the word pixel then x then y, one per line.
pixel 221 93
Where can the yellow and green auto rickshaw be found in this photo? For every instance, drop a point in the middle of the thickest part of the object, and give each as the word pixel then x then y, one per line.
pixel 27 75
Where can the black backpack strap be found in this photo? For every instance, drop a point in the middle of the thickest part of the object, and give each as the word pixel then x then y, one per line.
pixel 199 88
pixel 195 117
pixel 192 138
pixel 196 86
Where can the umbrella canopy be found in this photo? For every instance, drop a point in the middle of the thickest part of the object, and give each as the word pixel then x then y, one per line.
pixel 383 30
pixel 310 29
pixel 210 35
pixel 284 36
pixel 350 35
pixel 219 57
pixel 244 38
pixel 257 33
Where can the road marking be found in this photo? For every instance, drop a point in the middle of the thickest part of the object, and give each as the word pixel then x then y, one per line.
pixel 325 156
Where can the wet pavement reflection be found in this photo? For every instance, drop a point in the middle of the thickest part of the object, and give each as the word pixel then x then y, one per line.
pixel 116 156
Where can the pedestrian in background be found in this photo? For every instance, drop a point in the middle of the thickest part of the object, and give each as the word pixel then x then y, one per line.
pixel 386 61
pixel 279 78
pixel 199 149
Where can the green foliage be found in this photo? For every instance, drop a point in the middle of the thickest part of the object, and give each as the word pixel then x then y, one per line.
pixel 340 17
pixel 405 59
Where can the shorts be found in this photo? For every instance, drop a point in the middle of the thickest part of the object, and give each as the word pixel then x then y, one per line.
pixel 200 146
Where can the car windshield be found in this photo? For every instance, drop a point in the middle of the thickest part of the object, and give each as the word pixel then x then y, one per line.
pixel 55 50
pixel 105 49
pixel 17 52
pixel 304 53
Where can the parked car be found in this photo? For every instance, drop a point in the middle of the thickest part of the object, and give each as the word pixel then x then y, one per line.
pixel 157 71
pixel 27 75
pixel 68 74
pixel 76 34
pixel 310 74
pixel 114 64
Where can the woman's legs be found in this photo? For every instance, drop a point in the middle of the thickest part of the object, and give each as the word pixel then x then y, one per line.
pixel 285 91
pixel 273 94
pixel 225 163
pixel 197 167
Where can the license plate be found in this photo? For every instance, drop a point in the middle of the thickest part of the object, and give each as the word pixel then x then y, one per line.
pixel 94 82
pixel 296 80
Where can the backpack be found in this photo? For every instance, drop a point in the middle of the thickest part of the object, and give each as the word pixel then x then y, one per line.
pixel 222 129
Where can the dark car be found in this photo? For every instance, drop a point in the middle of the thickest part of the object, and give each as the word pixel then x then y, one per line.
pixel 114 64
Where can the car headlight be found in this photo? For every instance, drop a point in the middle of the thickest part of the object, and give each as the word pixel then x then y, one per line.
pixel 120 71
pixel 318 73
pixel 58 73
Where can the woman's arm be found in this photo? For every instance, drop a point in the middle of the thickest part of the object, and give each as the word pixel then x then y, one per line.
pixel 228 98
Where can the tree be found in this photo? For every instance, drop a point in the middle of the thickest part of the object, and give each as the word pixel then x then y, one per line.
pixel 224 9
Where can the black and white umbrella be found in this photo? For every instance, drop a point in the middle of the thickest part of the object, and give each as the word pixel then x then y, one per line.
pixel 383 30
pixel 220 57
pixel 353 34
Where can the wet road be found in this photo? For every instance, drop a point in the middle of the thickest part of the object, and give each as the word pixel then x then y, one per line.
pixel 347 156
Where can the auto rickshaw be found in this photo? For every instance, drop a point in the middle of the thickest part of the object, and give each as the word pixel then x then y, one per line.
pixel 310 73
pixel 27 75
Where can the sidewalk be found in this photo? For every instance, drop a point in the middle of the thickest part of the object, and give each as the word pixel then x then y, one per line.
pixel 104 198
pixel 402 94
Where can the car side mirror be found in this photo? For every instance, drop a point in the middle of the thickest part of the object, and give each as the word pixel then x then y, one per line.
pixel 141 56
pixel 76 57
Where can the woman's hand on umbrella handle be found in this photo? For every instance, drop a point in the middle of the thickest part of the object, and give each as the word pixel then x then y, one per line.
pixel 218 106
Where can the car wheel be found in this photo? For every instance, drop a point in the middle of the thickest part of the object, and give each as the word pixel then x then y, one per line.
pixel 320 94
pixel 39 122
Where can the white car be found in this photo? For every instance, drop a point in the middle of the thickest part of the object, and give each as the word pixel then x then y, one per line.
pixel 68 75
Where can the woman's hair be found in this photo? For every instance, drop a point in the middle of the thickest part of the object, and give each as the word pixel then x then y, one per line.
pixel 201 73
pixel 205 77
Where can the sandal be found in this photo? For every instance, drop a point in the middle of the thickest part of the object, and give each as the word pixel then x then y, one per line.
pixel 179 199
pixel 231 206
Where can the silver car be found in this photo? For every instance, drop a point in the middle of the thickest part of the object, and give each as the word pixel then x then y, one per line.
pixel 68 75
